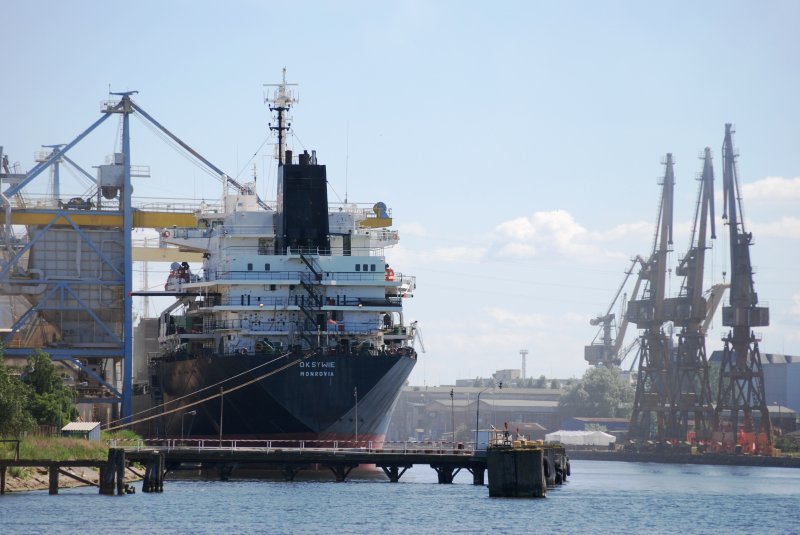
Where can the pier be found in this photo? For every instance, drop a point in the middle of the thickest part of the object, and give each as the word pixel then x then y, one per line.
pixel 289 460
pixel 549 465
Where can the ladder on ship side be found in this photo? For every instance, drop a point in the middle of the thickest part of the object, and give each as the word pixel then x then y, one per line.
pixel 311 304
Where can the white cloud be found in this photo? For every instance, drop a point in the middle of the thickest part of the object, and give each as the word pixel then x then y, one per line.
pixel 795 309
pixel 785 227
pixel 557 232
pixel 773 189
pixel 412 229
pixel 518 250
pixel 638 229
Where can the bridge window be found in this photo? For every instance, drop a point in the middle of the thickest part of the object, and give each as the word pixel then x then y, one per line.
pixel 266 267
pixel 249 266
pixel 358 267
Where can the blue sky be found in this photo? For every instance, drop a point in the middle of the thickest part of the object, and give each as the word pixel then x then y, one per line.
pixel 517 143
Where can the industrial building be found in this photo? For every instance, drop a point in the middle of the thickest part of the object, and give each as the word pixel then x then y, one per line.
pixel 431 413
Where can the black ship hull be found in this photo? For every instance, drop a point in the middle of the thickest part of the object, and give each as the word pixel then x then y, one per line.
pixel 291 397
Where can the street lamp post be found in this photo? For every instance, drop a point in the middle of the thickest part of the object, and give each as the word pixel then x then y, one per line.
pixel 478 411
pixel 452 418
pixel 779 413
pixel 478 414
pixel 355 395
pixel 190 413
pixel 221 408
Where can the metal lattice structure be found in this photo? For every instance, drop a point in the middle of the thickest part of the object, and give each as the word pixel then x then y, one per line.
pixel 652 401
pixel 741 380
pixel 77 278
pixel 691 393
pixel 69 273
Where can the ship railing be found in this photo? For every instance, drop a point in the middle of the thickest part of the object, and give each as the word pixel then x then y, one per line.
pixel 186 233
pixel 259 302
pixel 153 204
pixel 269 247
pixel 409 447
pixel 240 230
pixel 348 327
pixel 258 275
pixel 378 276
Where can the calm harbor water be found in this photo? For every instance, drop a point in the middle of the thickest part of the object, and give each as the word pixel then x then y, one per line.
pixel 601 497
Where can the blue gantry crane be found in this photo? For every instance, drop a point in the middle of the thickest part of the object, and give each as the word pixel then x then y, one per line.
pixel 66 264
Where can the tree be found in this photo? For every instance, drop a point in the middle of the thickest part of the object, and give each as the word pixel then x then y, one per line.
pixel 541 382
pixel 463 434
pixel 14 396
pixel 555 384
pixel 52 402
pixel 601 393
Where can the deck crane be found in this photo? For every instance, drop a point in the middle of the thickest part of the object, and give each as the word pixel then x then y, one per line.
pixel 607 351
pixel 741 379
pixel 417 335
pixel 653 397
pixel 691 393
pixel 713 297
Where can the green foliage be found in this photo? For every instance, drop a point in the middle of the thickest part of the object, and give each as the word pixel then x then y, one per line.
pixel 555 384
pixel 122 434
pixel 62 449
pixel 541 382
pixel 463 434
pixel 786 444
pixel 36 396
pixel 52 402
pixel 601 393
pixel 14 395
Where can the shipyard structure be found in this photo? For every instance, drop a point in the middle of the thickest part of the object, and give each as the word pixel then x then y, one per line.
pixel 676 399
pixel 292 328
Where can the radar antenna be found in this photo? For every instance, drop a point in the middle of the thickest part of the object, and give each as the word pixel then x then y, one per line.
pixel 281 102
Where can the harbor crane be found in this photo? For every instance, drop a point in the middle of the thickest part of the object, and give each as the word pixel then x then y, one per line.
pixel 741 379
pixel 691 393
pixel 606 352
pixel 652 400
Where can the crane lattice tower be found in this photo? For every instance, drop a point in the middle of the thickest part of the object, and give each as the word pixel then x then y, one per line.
pixel 741 379
pixel 653 396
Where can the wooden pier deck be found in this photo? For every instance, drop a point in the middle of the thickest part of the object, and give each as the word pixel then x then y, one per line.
pixel 221 459
pixel 291 460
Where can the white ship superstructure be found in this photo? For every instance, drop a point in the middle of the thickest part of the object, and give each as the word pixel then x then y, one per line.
pixel 253 297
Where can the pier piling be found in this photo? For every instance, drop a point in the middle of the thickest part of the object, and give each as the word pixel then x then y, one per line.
pixel 516 472
pixel 478 472
pixel 446 472
pixel 153 480
pixel 112 473
pixel 53 476
pixel 394 473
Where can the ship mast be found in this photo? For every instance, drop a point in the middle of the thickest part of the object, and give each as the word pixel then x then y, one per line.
pixel 281 102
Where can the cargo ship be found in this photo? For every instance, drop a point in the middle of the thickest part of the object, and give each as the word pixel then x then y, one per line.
pixel 294 327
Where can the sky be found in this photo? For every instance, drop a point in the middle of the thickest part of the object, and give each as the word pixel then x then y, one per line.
pixel 518 144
